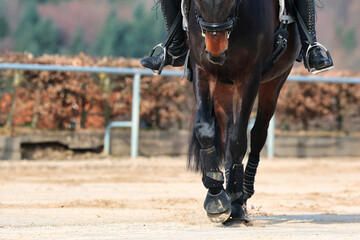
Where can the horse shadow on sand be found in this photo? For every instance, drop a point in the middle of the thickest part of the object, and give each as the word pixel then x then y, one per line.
pixel 263 221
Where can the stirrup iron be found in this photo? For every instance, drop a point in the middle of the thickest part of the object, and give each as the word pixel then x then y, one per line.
pixel 160 45
pixel 306 59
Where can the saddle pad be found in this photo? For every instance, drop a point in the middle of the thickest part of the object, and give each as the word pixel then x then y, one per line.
pixel 283 13
pixel 185 9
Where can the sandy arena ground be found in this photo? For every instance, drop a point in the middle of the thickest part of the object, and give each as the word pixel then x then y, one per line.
pixel 158 198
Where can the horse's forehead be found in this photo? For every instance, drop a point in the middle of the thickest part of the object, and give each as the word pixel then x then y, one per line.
pixel 215 4
pixel 215 8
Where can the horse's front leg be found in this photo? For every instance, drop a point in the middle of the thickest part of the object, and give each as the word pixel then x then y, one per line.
pixel 217 203
pixel 268 95
pixel 237 147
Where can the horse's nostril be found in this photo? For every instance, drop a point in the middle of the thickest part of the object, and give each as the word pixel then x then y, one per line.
pixel 224 53
pixel 219 60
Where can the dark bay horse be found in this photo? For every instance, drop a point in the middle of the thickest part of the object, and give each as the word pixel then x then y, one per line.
pixel 231 41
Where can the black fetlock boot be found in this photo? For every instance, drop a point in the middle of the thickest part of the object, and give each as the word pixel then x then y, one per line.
pixel 235 190
pixel 175 53
pixel 249 176
pixel 217 203
pixel 312 51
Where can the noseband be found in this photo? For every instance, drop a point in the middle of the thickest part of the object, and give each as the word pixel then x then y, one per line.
pixel 219 26
pixel 216 27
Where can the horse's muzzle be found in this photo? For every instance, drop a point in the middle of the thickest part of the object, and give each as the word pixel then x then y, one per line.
pixel 216 46
pixel 218 60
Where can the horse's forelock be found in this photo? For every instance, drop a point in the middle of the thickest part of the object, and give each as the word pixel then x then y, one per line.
pixel 215 10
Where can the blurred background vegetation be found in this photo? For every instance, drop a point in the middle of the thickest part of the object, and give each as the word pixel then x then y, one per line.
pixel 109 32
pixel 130 29
pixel 97 28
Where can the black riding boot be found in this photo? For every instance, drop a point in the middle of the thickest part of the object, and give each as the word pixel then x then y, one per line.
pixel 314 60
pixel 176 52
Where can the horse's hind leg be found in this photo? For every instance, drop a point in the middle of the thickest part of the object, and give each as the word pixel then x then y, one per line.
pixel 268 95
pixel 217 203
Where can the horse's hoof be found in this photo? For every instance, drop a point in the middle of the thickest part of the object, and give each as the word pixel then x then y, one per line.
pixel 218 206
pixel 238 213
pixel 220 217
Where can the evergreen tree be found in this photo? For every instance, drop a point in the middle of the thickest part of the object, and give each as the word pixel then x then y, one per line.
pixel 110 40
pixel 126 39
pixel 47 37
pixel 4 27
pixel 35 34
pixel 24 29
pixel 145 32
pixel 347 37
pixel 77 44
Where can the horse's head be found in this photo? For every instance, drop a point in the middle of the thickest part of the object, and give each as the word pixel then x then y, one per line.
pixel 216 19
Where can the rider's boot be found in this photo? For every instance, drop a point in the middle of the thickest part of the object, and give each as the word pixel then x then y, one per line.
pixel 176 52
pixel 314 59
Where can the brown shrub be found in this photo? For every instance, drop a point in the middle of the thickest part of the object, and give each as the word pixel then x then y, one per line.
pixel 59 98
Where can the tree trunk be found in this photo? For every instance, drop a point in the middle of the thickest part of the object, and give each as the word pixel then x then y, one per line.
pixel 10 121
pixel 107 108
pixel 339 115
pixel 35 117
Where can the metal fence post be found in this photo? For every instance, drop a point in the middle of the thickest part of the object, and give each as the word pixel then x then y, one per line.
pixel 135 116
pixel 271 138
pixel 107 140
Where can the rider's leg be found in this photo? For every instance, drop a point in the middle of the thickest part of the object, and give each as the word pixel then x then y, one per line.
pixel 176 52
pixel 316 59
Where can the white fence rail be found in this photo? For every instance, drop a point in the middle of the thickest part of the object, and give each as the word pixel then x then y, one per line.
pixel 137 73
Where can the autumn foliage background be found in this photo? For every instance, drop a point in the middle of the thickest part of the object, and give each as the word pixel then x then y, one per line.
pixel 64 100
pixel 55 100
pixel 50 100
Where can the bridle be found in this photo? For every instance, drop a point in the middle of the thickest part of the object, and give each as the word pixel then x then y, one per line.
pixel 228 25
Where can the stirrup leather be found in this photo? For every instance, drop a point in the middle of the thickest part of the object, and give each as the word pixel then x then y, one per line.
pixel 306 58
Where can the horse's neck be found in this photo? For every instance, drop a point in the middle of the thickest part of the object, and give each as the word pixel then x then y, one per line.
pixel 278 5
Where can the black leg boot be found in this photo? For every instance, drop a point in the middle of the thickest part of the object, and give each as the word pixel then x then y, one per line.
pixel 314 59
pixel 175 54
pixel 217 203
pixel 235 190
pixel 249 176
